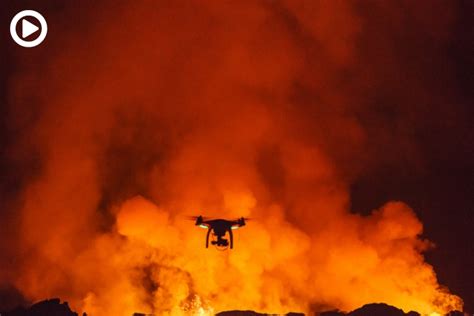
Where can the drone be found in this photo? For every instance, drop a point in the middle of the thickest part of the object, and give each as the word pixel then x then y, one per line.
pixel 219 228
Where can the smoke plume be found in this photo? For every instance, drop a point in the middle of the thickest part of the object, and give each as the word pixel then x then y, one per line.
pixel 266 109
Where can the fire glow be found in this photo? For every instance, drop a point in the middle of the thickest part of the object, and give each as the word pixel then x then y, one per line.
pixel 218 112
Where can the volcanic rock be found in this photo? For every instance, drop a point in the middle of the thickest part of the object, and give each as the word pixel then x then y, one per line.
pixel 239 313
pixel 251 313
pixel 380 309
pixel 332 313
pixel 52 307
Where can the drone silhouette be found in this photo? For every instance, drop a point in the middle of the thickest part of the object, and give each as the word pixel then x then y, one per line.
pixel 219 228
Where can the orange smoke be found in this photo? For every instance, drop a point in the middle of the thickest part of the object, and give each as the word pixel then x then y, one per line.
pixel 220 109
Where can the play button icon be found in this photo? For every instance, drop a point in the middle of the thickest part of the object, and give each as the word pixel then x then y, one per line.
pixel 28 28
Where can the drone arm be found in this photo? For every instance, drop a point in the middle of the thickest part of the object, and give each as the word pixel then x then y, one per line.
pixel 207 237
pixel 231 236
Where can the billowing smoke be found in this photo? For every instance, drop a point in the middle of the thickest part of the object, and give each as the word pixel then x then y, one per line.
pixel 262 109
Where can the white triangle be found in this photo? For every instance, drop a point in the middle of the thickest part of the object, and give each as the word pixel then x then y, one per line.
pixel 27 28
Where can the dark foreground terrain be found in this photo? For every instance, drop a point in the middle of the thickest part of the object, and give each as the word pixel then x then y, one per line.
pixel 54 307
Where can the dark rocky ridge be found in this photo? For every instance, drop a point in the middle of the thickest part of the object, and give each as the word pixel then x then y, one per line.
pixel 251 313
pixel 372 309
pixel 54 307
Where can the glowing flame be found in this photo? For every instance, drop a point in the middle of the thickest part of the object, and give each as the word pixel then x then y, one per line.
pixel 196 307
pixel 211 106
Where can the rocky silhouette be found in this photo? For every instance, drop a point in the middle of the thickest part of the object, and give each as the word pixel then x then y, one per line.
pixel 251 313
pixel 54 307
pixel 380 309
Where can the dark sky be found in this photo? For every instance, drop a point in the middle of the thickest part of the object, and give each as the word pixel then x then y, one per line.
pixel 442 194
pixel 441 191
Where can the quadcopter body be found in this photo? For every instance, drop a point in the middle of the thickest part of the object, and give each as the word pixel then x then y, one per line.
pixel 219 228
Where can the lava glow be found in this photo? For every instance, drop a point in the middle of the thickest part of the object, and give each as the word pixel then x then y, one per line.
pixel 243 108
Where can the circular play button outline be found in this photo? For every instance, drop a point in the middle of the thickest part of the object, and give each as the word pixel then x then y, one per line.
pixel 18 17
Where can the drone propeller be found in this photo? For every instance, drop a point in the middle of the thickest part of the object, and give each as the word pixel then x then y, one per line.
pixel 193 218
pixel 244 218
pixel 239 222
